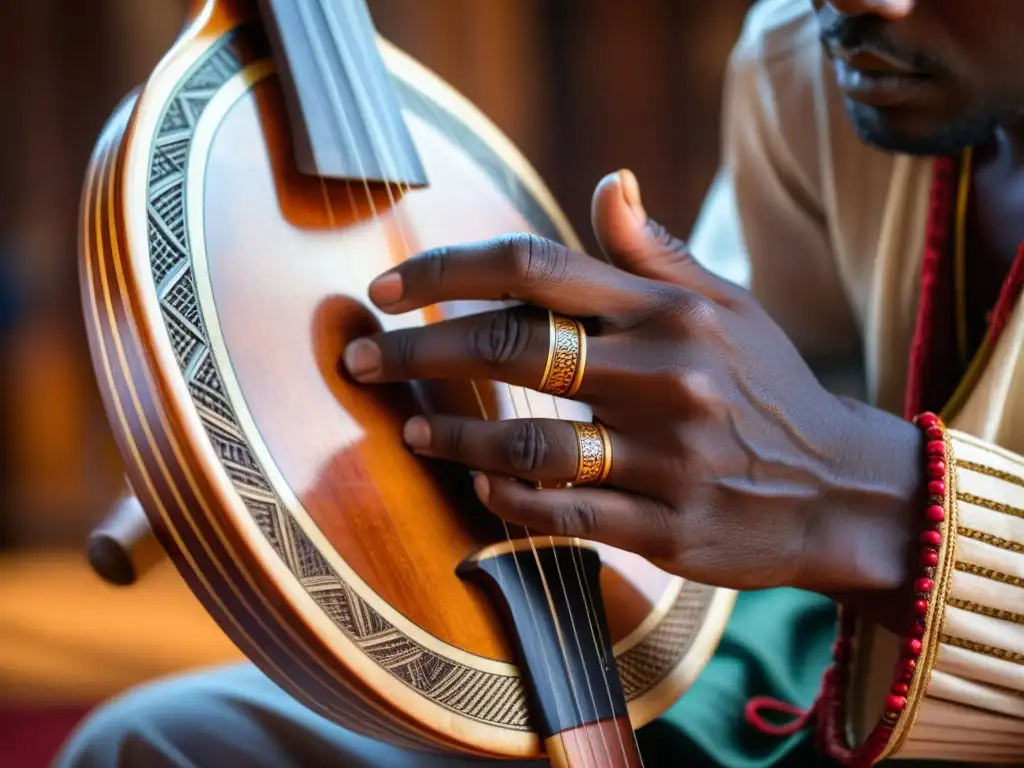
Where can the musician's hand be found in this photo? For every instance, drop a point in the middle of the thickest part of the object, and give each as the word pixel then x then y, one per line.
pixel 732 465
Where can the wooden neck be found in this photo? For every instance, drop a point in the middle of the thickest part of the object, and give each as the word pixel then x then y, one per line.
pixel 345 117
pixel 548 592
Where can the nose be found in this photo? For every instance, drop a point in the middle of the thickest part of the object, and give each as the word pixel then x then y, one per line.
pixel 891 10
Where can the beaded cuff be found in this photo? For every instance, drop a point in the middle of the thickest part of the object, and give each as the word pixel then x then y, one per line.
pixel 919 644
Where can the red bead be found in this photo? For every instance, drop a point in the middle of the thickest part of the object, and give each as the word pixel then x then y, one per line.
pixel 924 585
pixel 909 665
pixel 929 558
pixel 900 689
pixel 935 448
pixel 936 488
pixel 927 420
pixel 937 469
pixel 935 513
pixel 921 606
pixel 895 703
pixel 906 677
pixel 933 433
pixel 918 629
pixel 932 538
pixel 913 647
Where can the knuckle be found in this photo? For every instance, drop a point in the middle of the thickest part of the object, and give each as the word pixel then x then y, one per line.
pixel 403 349
pixel 533 259
pixel 685 309
pixel 666 298
pixel 692 389
pixel 578 518
pixel 450 437
pixel 499 340
pixel 435 265
pixel 701 313
pixel 527 447
pixel 674 248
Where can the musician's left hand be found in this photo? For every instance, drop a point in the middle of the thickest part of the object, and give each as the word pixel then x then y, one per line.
pixel 731 464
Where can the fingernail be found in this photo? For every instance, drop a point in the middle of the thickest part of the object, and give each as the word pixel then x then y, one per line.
pixel 482 486
pixel 362 358
pixel 386 289
pixel 631 191
pixel 416 433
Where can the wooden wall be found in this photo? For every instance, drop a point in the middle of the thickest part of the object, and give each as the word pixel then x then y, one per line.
pixel 583 86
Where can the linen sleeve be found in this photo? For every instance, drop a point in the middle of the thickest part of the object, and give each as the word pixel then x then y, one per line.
pixel 970 704
pixel 763 224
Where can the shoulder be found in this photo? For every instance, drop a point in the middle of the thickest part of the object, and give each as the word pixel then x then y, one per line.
pixel 781 84
pixel 777 29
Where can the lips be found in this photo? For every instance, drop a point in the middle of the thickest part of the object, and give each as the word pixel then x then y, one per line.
pixel 873 78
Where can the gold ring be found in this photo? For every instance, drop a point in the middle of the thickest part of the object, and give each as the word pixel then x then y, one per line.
pixel 595 459
pixel 567 357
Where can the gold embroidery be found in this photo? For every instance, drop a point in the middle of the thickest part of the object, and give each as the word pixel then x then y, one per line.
pixel 987 650
pixel 988 573
pixel 984 610
pixel 981 469
pixel 988 538
pixel 995 506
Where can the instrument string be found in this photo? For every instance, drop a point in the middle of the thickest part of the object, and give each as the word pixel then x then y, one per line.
pixel 483 411
pixel 389 161
pixel 584 587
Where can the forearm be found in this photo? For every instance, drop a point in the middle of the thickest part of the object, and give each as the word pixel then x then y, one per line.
pixel 863 544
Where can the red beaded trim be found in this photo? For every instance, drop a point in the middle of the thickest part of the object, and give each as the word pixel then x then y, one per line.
pixel 832 706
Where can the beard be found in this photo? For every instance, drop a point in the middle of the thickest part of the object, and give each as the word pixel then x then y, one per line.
pixel 950 137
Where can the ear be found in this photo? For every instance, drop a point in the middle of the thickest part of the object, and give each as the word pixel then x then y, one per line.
pixel 634 242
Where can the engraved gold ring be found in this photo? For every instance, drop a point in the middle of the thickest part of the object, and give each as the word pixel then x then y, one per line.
pixel 595 453
pixel 567 357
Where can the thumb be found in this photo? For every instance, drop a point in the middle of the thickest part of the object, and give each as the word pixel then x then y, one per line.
pixel 634 242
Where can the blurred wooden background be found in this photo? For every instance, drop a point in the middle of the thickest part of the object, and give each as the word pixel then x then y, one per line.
pixel 582 86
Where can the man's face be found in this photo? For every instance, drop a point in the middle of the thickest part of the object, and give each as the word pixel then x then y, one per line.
pixel 927 77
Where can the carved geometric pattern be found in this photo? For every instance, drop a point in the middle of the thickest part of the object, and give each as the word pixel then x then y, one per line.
pixel 497 700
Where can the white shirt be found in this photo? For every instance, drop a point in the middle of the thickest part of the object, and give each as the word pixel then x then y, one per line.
pixel 828 233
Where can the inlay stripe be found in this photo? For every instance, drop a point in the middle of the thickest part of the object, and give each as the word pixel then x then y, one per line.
pixel 981 469
pixel 988 573
pixel 988 538
pixel 984 610
pixel 982 648
pixel 995 506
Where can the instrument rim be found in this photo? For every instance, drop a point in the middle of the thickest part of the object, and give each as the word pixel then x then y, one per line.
pixel 173 398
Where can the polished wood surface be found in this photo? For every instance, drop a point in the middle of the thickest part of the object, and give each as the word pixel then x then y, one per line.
pixel 399 522
pixel 608 743
pixel 282 491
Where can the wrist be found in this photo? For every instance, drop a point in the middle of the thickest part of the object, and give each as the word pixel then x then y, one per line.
pixel 862 538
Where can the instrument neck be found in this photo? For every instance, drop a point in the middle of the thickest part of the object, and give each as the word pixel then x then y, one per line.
pixel 549 593
pixel 346 120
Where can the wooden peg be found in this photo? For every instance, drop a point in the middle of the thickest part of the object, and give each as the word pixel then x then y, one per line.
pixel 123 548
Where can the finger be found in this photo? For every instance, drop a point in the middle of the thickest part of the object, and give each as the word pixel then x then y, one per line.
pixel 636 243
pixel 624 520
pixel 539 450
pixel 510 346
pixel 516 267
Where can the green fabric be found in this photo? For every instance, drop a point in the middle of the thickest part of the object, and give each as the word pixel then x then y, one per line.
pixel 778 643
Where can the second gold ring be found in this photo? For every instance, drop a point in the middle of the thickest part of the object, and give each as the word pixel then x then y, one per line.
pixel 567 357
pixel 595 453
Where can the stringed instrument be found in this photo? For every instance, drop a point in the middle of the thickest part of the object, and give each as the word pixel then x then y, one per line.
pixel 235 209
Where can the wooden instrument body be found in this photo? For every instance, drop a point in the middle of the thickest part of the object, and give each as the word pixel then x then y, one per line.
pixel 220 287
